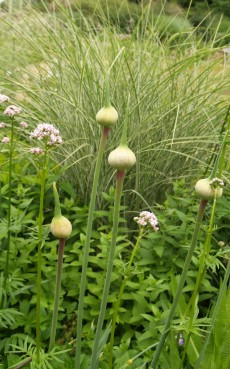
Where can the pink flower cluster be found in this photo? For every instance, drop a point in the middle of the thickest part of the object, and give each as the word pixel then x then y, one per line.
pixel 3 98
pixel 12 110
pixel 48 132
pixel 36 150
pixel 216 183
pixel 23 124
pixel 146 218
pixel 2 125
pixel 5 140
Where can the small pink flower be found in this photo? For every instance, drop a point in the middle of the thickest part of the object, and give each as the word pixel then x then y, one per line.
pixel 3 98
pixel 48 132
pixel 12 110
pixel 5 140
pixel 146 218
pixel 23 124
pixel 36 150
pixel 2 125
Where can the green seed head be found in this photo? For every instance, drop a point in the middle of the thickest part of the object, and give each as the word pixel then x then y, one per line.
pixel 61 227
pixel 107 116
pixel 122 158
pixel 205 190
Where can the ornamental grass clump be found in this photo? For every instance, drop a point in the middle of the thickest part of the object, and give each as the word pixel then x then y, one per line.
pixel 120 159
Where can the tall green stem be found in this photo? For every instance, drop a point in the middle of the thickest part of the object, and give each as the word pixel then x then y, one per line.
pixel 215 312
pixel 87 246
pixel 122 288
pixel 39 256
pixel 202 264
pixel 57 292
pixel 164 334
pixel 96 348
pixel 9 204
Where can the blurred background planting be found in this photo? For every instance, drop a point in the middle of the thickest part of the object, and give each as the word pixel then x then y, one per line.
pixel 53 60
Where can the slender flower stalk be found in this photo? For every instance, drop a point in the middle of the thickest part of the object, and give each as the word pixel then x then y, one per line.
pixel 164 334
pixel 106 120
pixel 49 136
pixel 118 302
pixel 39 254
pixel 120 159
pixel 214 315
pixel 61 228
pixel 87 246
pixel 95 352
pixel 61 247
pixel 9 201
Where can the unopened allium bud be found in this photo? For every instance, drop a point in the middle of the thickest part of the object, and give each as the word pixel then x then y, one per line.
pixel 221 243
pixel 207 188
pixel 107 116
pixel 122 158
pixel 60 226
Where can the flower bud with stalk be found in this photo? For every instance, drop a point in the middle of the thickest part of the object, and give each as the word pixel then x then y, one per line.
pixel 61 228
pixel 120 159
pixel 49 137
pixel 10 111
pixel 145 220
pixel 207 189
pixel 106 117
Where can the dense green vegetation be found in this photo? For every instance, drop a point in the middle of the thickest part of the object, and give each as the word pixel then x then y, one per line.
pixel 168 76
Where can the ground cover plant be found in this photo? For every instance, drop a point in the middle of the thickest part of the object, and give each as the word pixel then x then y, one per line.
pixel 117 298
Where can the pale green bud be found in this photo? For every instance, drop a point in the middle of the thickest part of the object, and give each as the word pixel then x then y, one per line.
pixel 107 116
pixel 122 158
pixel 61 227
pixel 205 190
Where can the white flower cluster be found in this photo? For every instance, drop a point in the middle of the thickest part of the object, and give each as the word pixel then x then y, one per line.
pixel 12 110
pixel 146 218
pixel 48 132
pixel 216 182
pixel 3 98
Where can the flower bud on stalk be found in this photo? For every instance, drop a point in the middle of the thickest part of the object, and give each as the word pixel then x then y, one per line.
pixel 206 188
pixel 122 157
pixel 107 116
pixel 60 226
